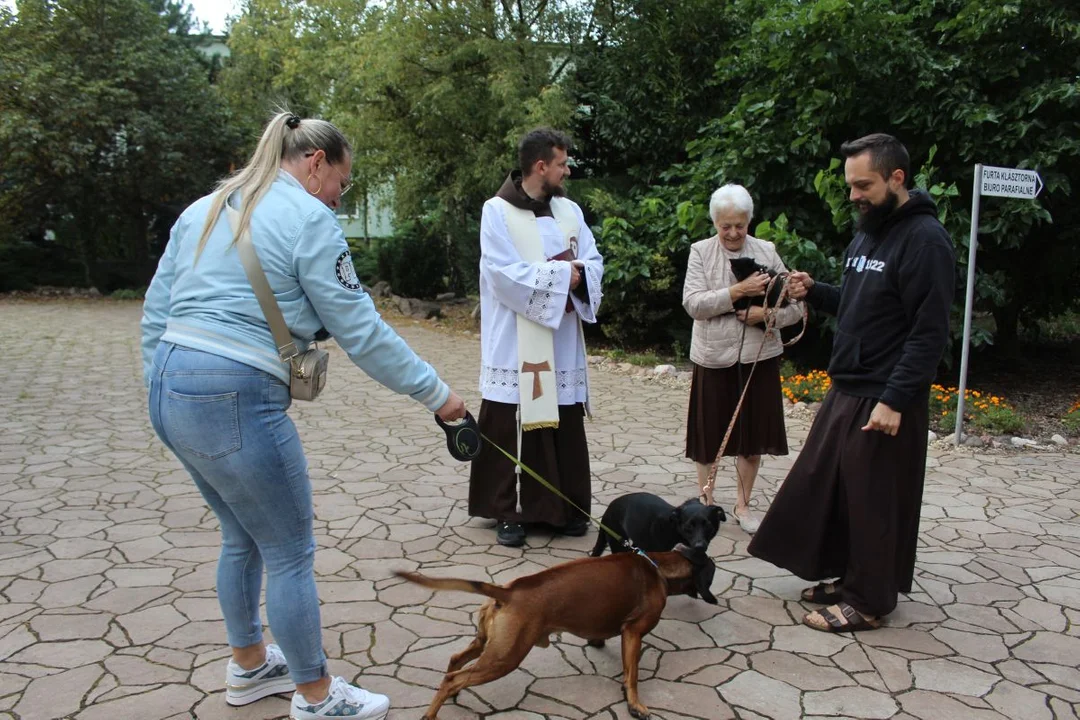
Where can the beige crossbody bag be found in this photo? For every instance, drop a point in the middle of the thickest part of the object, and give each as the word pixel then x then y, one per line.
pixel 307 370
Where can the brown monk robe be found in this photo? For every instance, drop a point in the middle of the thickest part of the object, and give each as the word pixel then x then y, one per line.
pixel 552 280
pixel 559 456
pixel 849 508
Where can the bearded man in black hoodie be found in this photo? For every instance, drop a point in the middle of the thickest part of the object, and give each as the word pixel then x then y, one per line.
pixel 849 508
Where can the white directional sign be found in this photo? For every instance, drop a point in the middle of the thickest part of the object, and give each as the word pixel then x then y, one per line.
pixel 1000 182
pixel 1010 182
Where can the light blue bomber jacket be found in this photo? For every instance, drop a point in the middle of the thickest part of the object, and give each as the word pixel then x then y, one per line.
pixel 210 306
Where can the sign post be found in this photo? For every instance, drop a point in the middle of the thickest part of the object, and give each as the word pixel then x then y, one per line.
pixel 993 182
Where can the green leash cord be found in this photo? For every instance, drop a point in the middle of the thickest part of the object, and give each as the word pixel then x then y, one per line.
pixel 535 476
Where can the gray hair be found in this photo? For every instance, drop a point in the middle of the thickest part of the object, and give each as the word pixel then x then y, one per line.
pixel 286 137
pixel 731 197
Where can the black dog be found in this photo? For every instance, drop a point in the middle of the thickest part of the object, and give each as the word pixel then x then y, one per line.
pixel 654 525
pixel 743 268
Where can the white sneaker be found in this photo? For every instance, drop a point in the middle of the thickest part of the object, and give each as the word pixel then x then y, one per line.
pixel 344 700
pixel 747 521
pixel 271 678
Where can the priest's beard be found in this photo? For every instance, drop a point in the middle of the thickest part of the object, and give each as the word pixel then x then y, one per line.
pixel 551 190
pixel 872 217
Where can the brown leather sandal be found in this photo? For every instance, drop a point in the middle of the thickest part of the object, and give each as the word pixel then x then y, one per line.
pixel 851 621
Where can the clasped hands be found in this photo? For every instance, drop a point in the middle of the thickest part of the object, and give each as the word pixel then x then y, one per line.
pixel 575 273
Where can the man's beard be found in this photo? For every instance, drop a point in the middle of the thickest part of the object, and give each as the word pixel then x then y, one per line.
pixel 551 190
pixel 875 216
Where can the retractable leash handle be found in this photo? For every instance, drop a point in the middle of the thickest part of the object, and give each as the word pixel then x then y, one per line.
pixel 463 439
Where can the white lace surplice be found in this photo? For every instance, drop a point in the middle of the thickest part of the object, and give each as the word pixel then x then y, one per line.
pixel 510 286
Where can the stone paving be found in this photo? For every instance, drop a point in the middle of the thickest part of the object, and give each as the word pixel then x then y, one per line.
pixel 107 557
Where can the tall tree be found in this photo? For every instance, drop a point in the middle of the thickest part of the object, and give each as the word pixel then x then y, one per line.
pixel 281 56
pixel 109 128
pixel 988 81
pixel 646 79
pixel 449 87
pixel 177 15
pixel 433 94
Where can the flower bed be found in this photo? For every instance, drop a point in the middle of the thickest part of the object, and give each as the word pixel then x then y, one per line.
pixel 986 412
pixel 1071 421
pixel 808 388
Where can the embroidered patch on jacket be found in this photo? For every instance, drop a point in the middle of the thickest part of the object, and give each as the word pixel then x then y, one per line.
pixel 346 273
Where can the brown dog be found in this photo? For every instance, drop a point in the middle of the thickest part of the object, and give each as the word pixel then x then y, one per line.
pixel 593 598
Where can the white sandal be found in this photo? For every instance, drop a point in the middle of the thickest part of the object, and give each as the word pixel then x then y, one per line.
pixel 749 523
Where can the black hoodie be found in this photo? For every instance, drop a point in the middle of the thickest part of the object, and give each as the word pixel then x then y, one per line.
pixel 892 306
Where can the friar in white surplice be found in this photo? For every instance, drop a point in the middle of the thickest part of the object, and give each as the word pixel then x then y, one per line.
pixel 540 277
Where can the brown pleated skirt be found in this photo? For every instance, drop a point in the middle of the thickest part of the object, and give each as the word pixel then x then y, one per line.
pixel 559 455
pixel 714 394
pixel 849 508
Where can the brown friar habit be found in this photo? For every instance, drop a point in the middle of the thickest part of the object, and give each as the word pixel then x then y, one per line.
pixel 849 508
pixel 559 455
pixel 512 193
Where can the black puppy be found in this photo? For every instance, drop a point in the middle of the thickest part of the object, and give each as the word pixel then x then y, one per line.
pixel 743 268
pixel 654 525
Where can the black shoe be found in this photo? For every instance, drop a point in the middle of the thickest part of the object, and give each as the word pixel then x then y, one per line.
pixel 510 534
pixel 576 528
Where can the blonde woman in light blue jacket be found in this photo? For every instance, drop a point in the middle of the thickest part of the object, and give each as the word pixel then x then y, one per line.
pixel 218 395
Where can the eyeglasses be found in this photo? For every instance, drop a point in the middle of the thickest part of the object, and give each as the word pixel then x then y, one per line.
pixel 346 182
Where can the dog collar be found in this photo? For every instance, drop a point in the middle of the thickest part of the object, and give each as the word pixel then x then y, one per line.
pixel 651 561
pixel 641 552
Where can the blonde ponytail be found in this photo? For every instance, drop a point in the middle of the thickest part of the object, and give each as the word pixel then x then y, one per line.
pixel 286 137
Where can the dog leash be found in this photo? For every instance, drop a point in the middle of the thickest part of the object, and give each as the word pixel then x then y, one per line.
pixel 770 321
pixel 625 542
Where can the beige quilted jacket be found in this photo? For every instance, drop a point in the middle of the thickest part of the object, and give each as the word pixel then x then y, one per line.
pixel 715 341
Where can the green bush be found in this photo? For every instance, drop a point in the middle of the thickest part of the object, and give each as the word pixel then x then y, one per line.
pixel 128 294
pixel 1062 328
pixel 414 261
pixel 365 259
pixel 645 244
pixel 647 359
pixel 26 265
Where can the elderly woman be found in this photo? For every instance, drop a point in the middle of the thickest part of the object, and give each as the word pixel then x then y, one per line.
pixel 725 344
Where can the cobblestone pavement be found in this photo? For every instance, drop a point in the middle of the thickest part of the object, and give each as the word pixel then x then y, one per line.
pixel 107 557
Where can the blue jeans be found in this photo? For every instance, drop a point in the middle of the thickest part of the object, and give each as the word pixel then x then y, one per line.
pixel 226 423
